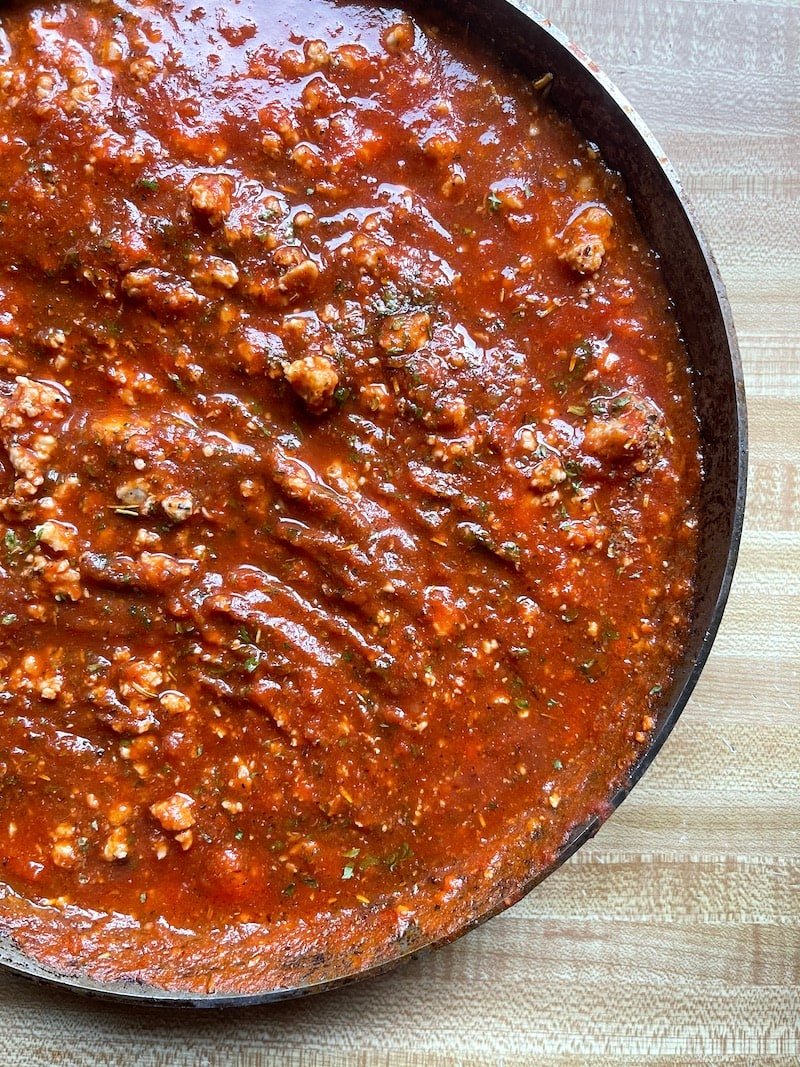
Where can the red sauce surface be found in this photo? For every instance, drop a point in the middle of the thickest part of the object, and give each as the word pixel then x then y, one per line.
pixel 348 469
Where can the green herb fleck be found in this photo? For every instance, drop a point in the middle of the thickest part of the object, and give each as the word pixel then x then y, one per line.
pixel 180 385
pixel 403 852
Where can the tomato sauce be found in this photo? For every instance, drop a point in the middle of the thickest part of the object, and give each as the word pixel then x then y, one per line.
pixel 348 466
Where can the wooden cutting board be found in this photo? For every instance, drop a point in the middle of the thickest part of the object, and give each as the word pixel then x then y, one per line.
pixel 673 937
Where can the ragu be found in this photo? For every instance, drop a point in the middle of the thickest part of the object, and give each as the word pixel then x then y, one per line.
pixel 349 466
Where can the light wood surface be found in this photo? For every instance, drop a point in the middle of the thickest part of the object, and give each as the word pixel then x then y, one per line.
pixel 674 936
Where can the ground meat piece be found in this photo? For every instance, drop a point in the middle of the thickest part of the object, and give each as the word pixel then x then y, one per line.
pixel 160 290
pixel 120 813
pixel 126 719
pixel 114 430
pixel 399 37
pixel 405 333
pixel 135 496
pixel 175 813
pixel 143 69
pixel 51 338
pixel 365 252
pixel 585 533
pixel 298 272
pixel 314 378
pixel 634 435
pixel 229 877
pixel 65 854
pixel 116 846
pixel 309 159
pixel 142 677
pixel 28 461
pixel 217 271
pixel 211 195
pixel 320 97
pixel 178 506
pixel 547 473
pixel 280 130
pixel 59 536
pixel 585 240
pixel 63 580
pixel 441 147
pixel 22 414
pixel 30 400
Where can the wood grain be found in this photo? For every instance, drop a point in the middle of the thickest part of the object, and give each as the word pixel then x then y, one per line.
pixel 674 937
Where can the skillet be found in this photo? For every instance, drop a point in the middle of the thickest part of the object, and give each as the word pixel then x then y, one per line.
pixel 581 91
